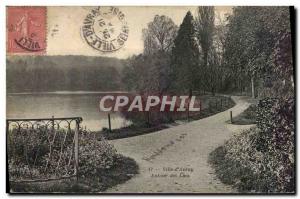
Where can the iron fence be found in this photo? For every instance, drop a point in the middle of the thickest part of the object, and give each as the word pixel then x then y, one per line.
pixel 42 149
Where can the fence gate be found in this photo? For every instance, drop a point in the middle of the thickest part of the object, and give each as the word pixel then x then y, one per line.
pixel 42 149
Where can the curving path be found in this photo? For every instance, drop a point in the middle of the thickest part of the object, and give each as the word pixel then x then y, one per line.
pixel 174 160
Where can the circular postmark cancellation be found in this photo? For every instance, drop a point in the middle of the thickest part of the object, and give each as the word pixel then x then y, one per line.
pixel 105 29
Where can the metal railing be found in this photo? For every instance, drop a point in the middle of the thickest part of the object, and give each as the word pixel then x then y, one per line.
pixel 28 138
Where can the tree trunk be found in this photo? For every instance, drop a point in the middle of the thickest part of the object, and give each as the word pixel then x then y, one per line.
pixel 252 87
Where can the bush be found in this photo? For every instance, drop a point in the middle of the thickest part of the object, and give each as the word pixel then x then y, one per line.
pixel 276 123
pixel 95 155
pixel 240 164
pixel 250 163
pixel 29 149
pixel 100 166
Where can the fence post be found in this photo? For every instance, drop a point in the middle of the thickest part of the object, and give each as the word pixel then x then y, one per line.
pixel 231 120
pixel 76 149
pixel 52 121
pixel 109 122
pixel 221 104
pixel 200 104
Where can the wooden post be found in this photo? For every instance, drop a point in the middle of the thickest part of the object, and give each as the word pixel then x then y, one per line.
pixel 221 104
pixel 109 122
pixel 52 121
pixel 188 111
pixel 231 120
pixel 200 104
pixel 76 149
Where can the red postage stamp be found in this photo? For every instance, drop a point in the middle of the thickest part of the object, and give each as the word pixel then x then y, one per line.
pixel 26 29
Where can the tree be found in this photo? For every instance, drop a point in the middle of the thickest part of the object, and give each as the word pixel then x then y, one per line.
pixel 185 57
pixel 147 73
pixel 205 23
pixel 252 33
pixel 159 35
pixel 205 27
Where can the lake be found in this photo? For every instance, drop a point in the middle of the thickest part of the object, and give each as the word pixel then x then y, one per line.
pixel 62 104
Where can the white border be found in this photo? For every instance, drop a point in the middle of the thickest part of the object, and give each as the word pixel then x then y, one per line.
pixel 106 2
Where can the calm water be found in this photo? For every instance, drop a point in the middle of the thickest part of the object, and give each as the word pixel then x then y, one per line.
pixel 62 104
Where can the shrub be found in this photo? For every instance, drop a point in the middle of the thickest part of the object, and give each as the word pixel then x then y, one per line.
pixel 241 164
pixel 95 155
pixel 29 149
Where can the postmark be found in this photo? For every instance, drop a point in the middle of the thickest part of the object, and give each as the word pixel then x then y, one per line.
pixel 26 29
pixel 105 29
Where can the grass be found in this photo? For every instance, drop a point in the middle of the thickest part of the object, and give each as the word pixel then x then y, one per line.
pixel 247 117
pixel 130 131
pixel 211 105
pixel 124 169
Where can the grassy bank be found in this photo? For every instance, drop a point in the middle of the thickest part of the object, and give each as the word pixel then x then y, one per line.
pixel 246 117
pixel 32 157
pixel 123 169
pixel 242 163
pixel 211 105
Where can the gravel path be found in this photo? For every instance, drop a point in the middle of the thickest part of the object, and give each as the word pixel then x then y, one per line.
pixel 174 160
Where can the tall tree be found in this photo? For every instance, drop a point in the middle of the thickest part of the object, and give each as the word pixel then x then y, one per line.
pixel 205 27
pixel 159 35
pixel 185 57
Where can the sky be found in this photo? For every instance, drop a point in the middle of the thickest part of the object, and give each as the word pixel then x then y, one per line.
pixel 65 36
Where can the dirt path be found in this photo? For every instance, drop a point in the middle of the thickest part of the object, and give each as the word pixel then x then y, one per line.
pixel 175 159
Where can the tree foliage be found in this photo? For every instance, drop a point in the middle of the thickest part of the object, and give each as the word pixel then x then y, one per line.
pixel 186 57
pixel 250 39
pixel 205 23
pixel 159 35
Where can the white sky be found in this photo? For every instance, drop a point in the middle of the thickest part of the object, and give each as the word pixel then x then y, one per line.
pixel 68 21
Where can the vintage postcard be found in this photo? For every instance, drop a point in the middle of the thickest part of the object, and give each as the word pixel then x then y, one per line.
pixel 150 99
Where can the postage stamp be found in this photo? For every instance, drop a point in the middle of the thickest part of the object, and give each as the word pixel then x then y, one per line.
pixel 105 29
pixel 26 29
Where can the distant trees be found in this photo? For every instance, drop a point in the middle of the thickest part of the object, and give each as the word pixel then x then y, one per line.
pixel 159 35
pixel 56 73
